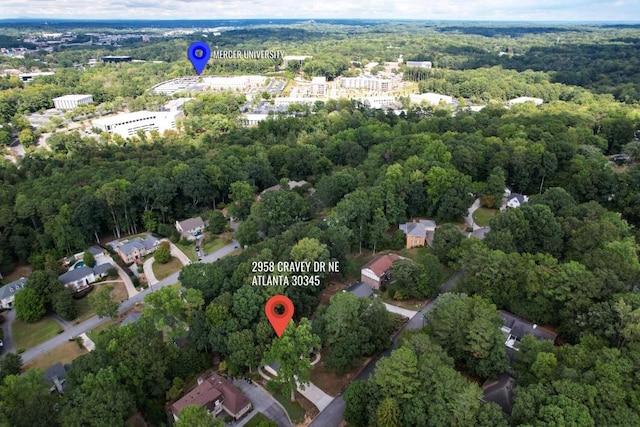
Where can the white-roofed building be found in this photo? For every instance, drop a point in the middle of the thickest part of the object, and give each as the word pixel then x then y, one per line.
pixel 523 99
pixel 8 292
pixel 377 101
pixel 234 82
pixel 419 64
pixel 128 124
pixel 368 82
pixel 252 119
pixel 430 98
pixel 69 102
pixel 319 86
pixel 286 101
pixel 176 104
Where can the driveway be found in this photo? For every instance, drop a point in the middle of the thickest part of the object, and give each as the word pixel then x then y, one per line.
pixel 93 322
pixel 262 402
pixel 7 340
pixel 333 415
pixel 64 324
pixel 148 271
pixel 399 310
pixel 128 284
pixel 469 218
pixel 175 252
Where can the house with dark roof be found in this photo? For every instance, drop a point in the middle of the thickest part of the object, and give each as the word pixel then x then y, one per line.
pixel 500 391
pixel 135 249
pixel 216 394
pixel 56 375
pixel 189 228
pixel 418 232
pixel 515 328
pixel 8 292
pixel 360 290
pixel 291 185
pixel 376 271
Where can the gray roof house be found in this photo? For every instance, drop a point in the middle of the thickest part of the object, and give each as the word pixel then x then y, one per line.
pixel 56 375
pixel 135 249
pixel 515 328
pixel 418 232
pixel 190 227
pixel 360 290
pixel 9 291
pixel 515 200
pixel 95 250
pixel 500 391
pixel 81 277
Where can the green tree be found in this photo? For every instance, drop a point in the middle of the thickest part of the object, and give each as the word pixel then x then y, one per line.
pixel 388 413
pixel 292 351
pixel 446 239
pixel 217 222
pixel 163 253
pixel 29 305
pixel 100 401
pixel 25 400
pixel 63 304
pixel 242 351
pixel 242 195
pixel 10 364
pixel 102 302
pixel 496 184
pixel 196 416
pixel 88 259
pixel 358 397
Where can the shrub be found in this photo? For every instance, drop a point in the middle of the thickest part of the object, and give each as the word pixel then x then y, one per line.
pixel 20 350
pixel 272 386
pixel 60 330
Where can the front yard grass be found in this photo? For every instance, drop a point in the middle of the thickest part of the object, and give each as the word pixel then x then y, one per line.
pixel 329 382
pixel 28 335
pixel 189 250
pixel 295 411
pixel 64 353
pixel 257 419
pixel 118 294
pixel 483 216
pixel 163 270
pixel 213 245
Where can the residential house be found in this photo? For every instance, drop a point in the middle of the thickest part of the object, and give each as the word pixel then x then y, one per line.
pixel 189 228
pixel 217 394
pixel 56 375
pixel 290 184
pixel 81 277
pixel 515 200
pixel 134 250
pixel 418 232
pixel 376 271
pixel 500 391
pixel 8 292
pixel 515 328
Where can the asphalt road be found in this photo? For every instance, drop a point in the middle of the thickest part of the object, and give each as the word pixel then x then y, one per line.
pixel 333 414
pixel 91 323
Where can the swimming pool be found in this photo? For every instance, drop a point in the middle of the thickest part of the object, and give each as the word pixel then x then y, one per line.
pixel 78 265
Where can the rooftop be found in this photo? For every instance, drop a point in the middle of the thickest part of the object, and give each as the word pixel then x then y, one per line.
pixel 500 391
pixel 381 263
pixel 191 223
pixel 71 97
pixel 12 287
pixel 360 290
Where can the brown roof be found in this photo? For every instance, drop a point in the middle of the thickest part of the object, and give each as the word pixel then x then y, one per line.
pixel 381 263
pixel 234 399
pixel 204 394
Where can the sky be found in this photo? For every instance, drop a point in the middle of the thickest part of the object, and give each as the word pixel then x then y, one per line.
pixel 484 10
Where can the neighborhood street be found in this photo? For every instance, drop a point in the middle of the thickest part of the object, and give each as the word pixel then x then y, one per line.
pixel 333 415
pixel 91 323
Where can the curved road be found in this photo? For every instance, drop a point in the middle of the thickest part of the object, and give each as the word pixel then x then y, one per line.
pixel 126 305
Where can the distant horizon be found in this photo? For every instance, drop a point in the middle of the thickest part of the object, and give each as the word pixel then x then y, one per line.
pixel 587 11
pixel 280 19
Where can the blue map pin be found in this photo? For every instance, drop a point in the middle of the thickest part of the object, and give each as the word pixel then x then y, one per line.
pixel 199 54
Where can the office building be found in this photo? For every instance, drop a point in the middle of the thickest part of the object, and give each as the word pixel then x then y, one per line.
pixel 419 64
pixel 286 101
pixel 233 83
pixel 69 102
pixel 319 86
pixel 112 58
pixel 28 77
pixel 367 82
pixel 128 124
pixel 430 98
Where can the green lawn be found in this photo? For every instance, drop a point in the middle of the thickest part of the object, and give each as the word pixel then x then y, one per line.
pixel 257 419
pixel 295 411
pixel 189 250
pixel 213 245
pixel 28 335
pixel 483 215
pixel 84 310
pixel 163 270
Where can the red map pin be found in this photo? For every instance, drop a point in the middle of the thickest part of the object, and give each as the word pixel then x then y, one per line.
pixel 279 310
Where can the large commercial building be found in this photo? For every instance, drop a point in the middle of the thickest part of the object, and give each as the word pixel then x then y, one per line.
pixel 286 101
pixel 128 124
pixel 69 102
pixel 28 77
pixel 119 58
pixel 430 98
pixel 419 64
pixel 523 99
pixel 319 86
pixel 368 82
pixel 378 101
pixel 233 83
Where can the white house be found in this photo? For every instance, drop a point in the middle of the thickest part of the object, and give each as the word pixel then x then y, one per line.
pixel 515 200
pixel 8 292
pixel 81 277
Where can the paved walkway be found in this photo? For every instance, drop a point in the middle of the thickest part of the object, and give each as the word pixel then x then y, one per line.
pixel 148 271
pixel 399 310
pixel 262 402
pixel 469 218
pixel 128 284
pixel 176 252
